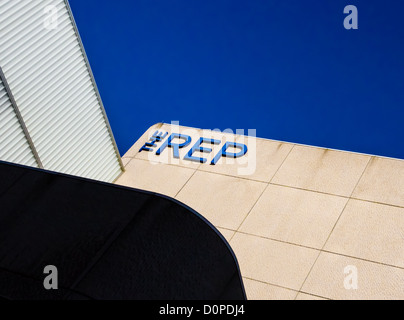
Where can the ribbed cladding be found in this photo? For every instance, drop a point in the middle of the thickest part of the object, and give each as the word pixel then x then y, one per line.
pixel 48 75
pixel 14 146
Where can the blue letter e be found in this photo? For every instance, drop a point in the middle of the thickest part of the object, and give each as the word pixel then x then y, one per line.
pixel 224 153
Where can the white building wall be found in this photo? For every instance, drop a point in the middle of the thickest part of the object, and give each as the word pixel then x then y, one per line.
pixel 48 73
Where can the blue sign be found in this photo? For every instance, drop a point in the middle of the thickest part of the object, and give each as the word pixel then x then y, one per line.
pixel 185 140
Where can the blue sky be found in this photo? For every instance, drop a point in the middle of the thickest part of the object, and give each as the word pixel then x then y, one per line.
pixel 286 68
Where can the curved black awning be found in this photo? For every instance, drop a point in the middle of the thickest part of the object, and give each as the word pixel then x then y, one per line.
pixel 107 242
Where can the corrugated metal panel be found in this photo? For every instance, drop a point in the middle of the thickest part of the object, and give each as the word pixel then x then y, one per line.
pixel 52 84
pixel 14 146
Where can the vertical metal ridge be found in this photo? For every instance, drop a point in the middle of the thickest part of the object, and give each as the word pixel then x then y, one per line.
pixel 94 84
pixel 20 119
pixel 53 86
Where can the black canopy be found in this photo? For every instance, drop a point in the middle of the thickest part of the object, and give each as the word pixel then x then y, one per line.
pixel 107 242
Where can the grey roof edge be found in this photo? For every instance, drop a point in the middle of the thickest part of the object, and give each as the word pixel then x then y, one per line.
pixel 95 85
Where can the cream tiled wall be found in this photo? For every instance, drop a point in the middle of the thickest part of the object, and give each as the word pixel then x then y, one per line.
pixel 299 220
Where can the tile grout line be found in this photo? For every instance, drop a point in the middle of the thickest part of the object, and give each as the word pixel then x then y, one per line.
pixel 349 198
pixel 297 244
pixel 377 202
pixel 308 273
pixel 259 197
pixel 175 197
pixel 363 259
pixel 339 196
pixel 277 240
pixel 269 283
pixel 291 243
pixel 168 164
pixel 275 184
pixel 272 183
pixel 309 190
pixel 277 170
pixel 266 187
pixel 335 224
pixel 130 159
pixel 232 236
pixel 282 287
pixel 314 295
pixel 313 248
